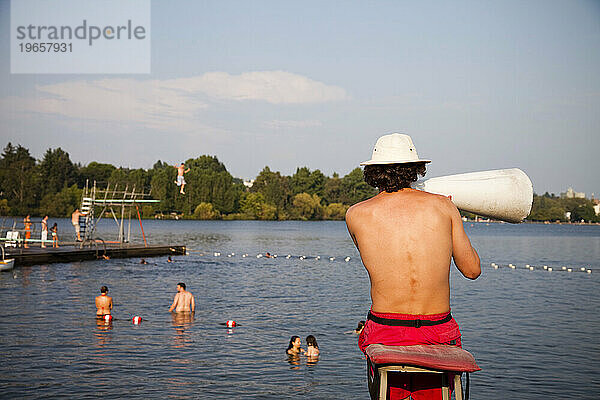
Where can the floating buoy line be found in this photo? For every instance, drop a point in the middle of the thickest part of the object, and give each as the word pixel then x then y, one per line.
pixel 561 268
pixel 274 256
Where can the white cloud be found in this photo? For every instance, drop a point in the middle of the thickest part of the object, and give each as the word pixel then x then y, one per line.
pixel 276 87
pixel 278 124
pixel 166 104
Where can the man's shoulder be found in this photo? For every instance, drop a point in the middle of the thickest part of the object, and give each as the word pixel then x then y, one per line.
pixel 359 208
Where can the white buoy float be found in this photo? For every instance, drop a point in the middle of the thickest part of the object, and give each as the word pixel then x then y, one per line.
pixel 347 259
pixel 531 268
pixel 569 270
pixel 317 257
pixel 589 271
pixel 288 256
pixel 564 268
pixel 550 269
pixel 331 258
pixel 545 267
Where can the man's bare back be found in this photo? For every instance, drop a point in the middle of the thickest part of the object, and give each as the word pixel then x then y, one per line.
pixel 183 301
pixel 406 240
pixel 103 304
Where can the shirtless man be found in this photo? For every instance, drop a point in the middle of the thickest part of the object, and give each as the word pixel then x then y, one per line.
pixel 104 303
pixel 184 300
pixel 75 222
pixel 44 231
pixel 407 239
pixel 180 179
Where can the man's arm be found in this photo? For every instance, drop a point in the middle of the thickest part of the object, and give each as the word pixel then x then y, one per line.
pixel 187 170
pixel 174 302
pixel 465 257
pixel 193 303
pixel 349 223
pixel 110 304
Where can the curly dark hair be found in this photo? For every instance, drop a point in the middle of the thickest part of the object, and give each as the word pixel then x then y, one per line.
pixel 393 177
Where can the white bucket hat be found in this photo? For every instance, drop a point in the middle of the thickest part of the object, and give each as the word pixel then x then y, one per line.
pixel 395 148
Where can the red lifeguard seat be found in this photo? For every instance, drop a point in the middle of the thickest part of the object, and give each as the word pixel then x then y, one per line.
pixel 433 359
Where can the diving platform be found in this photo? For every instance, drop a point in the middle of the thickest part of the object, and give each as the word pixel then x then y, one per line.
pixel 64 254
pixel 95 203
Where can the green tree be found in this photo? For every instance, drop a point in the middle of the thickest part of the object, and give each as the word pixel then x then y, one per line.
pixel 4 207
pixel 335 211
pixel 57 171
pixel 205 211
pixel 19 180
pixel 274 187
pixel 61 204
pixel 307 207
pixel 332 190
pixel 208 181
pixel 354 189
pixel 305 181
pixel 95 172
pixel 583 212
pixel 254 206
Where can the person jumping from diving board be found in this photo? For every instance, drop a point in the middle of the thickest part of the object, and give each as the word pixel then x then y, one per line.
pixel 180 179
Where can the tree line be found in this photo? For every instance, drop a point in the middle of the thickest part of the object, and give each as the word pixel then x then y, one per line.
pixel 53 186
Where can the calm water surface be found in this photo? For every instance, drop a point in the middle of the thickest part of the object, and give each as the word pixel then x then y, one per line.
pixel 534 333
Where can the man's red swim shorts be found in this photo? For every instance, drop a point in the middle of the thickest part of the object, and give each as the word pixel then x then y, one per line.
pixel 420 386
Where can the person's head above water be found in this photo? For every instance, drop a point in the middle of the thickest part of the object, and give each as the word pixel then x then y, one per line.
pixel 312 341
pixel 294 342
pixel 181 285
pixel 394 164
pixel 360 325
pixel 103 290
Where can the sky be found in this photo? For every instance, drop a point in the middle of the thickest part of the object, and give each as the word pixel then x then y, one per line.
pixel 478 85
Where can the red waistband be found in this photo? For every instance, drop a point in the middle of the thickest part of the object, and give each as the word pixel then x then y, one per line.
pixel 430 317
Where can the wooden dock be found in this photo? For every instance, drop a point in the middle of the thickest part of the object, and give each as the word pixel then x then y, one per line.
pixel 63 254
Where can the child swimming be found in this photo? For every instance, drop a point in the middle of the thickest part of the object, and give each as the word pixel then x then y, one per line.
pixel 294 348
pixel 312 348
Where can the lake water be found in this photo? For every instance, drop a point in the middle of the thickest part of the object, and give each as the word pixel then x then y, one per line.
pixel 535 333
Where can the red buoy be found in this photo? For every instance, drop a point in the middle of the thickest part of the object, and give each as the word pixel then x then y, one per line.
pixel 136 320
pixel 230 324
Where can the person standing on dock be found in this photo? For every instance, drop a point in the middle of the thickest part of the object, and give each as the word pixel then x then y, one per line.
pixel 44 231
pixel 104 303
pixel 54 231
pixel 183 301
pixel 407 239
pixel 75 222
pixel 27 224
pixel 180 179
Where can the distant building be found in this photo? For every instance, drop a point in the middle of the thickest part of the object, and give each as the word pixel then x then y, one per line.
pixel 249 183
pixel 571 194
pixel 596 206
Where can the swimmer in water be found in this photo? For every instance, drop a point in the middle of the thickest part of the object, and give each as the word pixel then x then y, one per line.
pixel 143 261
pixel 268 255
pixel 104 303
pixel 359 327
pixel 312 348
pixel 183 301
pixel 169 259
pixel 294 348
